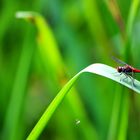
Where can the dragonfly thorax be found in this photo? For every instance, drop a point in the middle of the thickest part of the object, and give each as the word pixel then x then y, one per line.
pixel 119 69
pixel 125 69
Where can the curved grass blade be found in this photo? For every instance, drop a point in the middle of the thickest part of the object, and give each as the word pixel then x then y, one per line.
pixel 99 69
pixel 56 73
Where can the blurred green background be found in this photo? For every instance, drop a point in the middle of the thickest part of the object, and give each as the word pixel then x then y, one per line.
pixel 39 55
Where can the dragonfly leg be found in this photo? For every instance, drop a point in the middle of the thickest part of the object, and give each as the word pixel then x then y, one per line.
pixel 121 77
pixel 132 79
pixel 116 73
pixel 130 75
pixel 126 76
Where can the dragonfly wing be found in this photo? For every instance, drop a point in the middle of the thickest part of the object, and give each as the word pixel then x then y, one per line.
pixel 119 61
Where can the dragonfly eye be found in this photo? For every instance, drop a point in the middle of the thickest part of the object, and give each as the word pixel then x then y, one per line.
pixel 119 69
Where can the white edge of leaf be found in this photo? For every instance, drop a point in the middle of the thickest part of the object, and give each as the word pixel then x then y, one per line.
pixel 111 73
pixel 26 14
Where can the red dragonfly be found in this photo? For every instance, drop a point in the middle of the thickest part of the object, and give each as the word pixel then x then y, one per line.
pixel 127 70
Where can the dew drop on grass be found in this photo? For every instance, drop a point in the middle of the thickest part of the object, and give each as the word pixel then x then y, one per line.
pixel 77 121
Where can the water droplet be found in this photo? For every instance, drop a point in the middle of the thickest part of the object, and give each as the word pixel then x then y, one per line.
pixel 77 121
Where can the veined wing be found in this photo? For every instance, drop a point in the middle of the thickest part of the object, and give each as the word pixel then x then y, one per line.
pixel 119 61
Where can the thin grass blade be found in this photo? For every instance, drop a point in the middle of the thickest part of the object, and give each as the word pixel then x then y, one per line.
pixel 99 69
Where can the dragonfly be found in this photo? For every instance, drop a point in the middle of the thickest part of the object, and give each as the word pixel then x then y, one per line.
pixel 127 70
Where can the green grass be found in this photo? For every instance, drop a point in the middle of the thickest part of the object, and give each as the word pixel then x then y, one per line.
pixel 99 69
pixel 38 57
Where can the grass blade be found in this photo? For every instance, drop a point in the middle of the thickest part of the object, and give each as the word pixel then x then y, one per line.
pixel 55 68
pixel 99 69
pixel 13 113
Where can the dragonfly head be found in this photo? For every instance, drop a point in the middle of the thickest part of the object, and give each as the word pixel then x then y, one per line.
pixel 119 69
